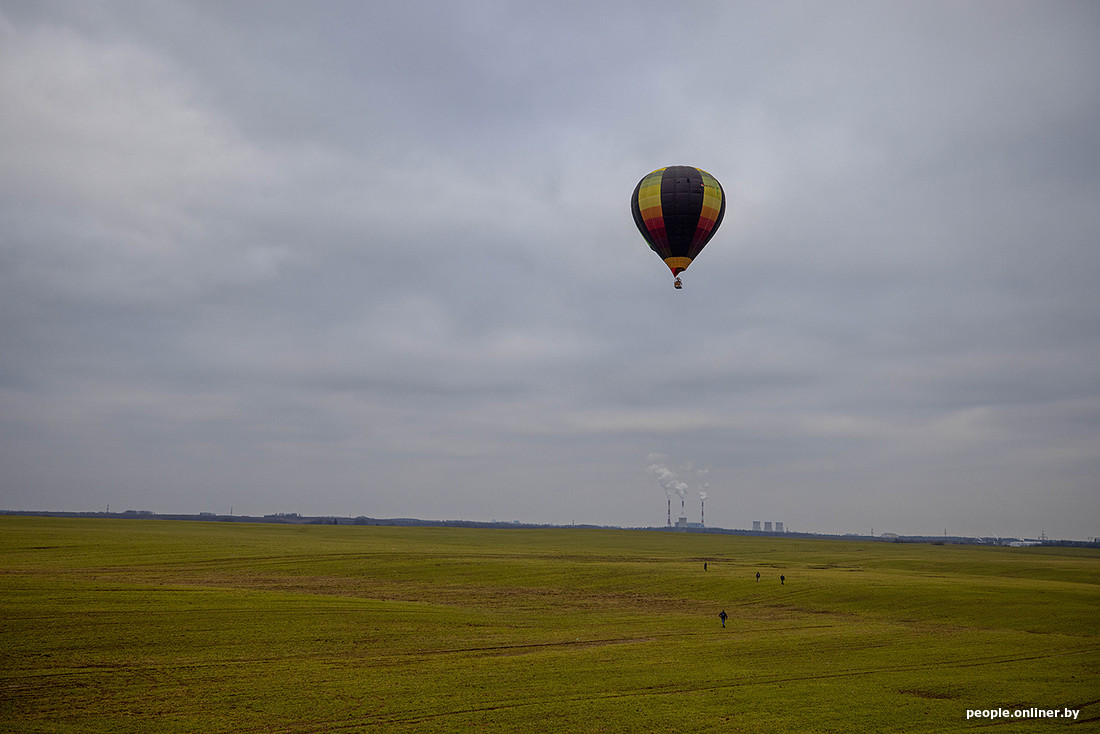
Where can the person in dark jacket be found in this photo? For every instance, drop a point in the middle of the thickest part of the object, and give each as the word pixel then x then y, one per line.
pixel 722 616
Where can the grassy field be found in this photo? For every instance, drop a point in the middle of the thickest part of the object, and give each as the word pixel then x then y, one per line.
pixel 154 626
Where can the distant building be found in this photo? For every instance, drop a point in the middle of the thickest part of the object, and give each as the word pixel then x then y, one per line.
pixel 779 527
pixel 767 526
pixel 756 526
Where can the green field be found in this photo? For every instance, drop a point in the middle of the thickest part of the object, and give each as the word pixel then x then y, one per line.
pixel 157 626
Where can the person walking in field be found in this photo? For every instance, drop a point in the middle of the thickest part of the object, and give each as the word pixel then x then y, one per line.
pixel 722 616
pixel 782 578
pixel 758 577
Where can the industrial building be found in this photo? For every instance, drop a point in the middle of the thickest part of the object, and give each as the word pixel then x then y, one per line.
pixel 768 526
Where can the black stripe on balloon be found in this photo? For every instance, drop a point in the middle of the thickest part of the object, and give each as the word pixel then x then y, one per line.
pixel 681 203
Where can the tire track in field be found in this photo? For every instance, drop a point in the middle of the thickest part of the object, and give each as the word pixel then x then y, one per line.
pixel 580 643
pixel 675 689
pixel 29 680
pixel 520 648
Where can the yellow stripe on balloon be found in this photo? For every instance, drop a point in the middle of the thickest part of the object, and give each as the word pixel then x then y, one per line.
pixel 676 264
pixel 712 197
pixel 649 196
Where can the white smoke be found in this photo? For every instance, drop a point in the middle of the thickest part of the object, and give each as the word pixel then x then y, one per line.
pixel 668 480
pixel 703 484
pixel 671 482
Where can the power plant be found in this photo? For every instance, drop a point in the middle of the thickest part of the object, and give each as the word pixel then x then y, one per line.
pixel 682 521
pixel 767 527
pixel 674 486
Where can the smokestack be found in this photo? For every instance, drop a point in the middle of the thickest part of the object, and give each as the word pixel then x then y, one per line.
pixel 702 512
pixel 668 482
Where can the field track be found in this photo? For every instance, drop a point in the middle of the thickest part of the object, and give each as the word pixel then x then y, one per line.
pixel 150 626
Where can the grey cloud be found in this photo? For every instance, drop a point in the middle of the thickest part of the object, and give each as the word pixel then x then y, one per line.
pixel 377 259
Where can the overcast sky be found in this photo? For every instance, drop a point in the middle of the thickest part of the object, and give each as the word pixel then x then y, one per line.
pixel 377 258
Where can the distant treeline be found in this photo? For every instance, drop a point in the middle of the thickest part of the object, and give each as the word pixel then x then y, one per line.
pixel 293 518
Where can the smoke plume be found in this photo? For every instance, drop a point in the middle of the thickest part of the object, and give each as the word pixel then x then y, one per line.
pixel 668 480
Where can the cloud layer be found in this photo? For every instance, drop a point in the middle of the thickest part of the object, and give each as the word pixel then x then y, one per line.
pixel 378 259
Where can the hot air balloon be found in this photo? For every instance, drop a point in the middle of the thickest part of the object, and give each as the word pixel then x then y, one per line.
pixel 677 210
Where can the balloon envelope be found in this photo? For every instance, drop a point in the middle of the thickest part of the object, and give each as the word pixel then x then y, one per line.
pixel 678 210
